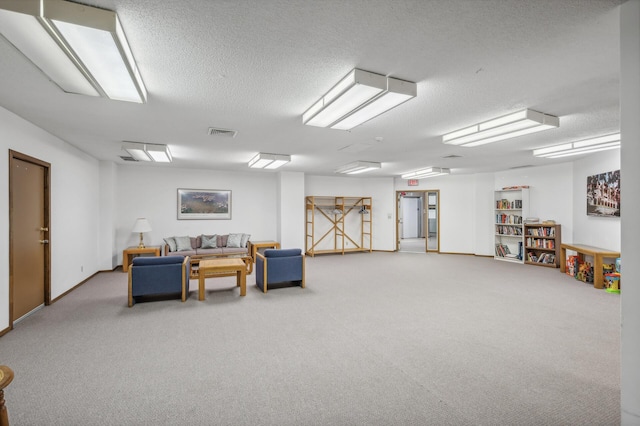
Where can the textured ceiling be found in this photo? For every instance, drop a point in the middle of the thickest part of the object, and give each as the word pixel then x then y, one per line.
pixel 256 66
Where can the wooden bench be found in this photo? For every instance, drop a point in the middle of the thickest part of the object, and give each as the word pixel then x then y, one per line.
pixel 582 250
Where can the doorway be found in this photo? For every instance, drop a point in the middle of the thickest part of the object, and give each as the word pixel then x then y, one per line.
pixel 418 221
pixel 29 255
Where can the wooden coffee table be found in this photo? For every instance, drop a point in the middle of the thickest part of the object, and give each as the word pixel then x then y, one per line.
pixel 211 268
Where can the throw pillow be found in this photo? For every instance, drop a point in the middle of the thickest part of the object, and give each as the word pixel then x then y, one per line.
pixel 209 241
pixel 234 240
pixel 245 238
pixel 183 243
pixel 171 241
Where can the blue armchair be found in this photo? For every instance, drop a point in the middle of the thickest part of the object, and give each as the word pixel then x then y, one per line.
pixel 279 266
pixel 167 275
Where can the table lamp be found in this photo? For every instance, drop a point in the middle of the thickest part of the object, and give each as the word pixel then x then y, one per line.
pixel 141 225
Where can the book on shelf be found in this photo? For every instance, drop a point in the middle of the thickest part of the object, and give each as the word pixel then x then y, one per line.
pixel 505 204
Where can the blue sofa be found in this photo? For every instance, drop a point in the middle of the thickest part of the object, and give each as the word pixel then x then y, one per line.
pixel 279 266
pixel 159 276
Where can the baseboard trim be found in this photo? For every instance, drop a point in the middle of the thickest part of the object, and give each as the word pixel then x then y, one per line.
pixel 5 331
pixel 74 287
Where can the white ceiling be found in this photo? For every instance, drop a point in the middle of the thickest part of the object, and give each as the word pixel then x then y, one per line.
pixel 256 66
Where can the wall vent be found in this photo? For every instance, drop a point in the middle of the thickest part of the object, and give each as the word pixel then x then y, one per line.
pixel 227 133
pixel 126 158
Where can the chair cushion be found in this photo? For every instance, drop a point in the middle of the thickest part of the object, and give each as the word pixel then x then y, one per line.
pixel 150 260
pixel 282 252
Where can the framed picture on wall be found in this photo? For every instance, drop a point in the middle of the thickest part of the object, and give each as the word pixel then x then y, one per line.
pixel 603 194
pixel 204 204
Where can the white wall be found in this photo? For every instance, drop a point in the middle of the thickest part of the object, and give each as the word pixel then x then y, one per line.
pixel 549 194
pixel 106 232
pixel 630 206
pixel 593 230
pixel 74 206
pixel 291 210
pixel 151 192
pixel 383 202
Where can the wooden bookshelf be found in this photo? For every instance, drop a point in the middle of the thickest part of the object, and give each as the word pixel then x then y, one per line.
pixel 542 244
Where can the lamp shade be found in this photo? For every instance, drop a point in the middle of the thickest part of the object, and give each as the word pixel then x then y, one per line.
pixel 141 225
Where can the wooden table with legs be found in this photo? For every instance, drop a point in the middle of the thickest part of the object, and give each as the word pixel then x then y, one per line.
pixel 6 376
pixel 210 268
pixel 128 253
pixel 255 245
pixel 598 255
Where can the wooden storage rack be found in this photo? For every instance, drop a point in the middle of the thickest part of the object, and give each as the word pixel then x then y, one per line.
pixel 542 244
pixel 345 232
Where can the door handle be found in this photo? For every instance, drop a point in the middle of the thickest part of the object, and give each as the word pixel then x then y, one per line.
pixel 43 241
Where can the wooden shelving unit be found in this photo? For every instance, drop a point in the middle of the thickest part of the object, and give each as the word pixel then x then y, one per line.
pixel 542 244
pixel 511 207
pixel 337 224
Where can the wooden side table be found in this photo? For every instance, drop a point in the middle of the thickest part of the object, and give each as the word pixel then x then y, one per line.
pixel 6 376
pixel 255 245
pixel 130 252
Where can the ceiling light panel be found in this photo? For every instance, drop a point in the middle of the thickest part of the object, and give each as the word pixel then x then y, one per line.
pixel 92 39
pixel 268 161
pixel 358 167
pixel 357 98
pixel 501 128
pixel 425 173
pixel 585 146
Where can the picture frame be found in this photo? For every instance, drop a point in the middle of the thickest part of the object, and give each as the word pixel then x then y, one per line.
pixel 603 194
pixel 204 204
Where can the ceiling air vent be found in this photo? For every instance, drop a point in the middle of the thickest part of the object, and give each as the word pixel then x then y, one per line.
pixel 452 156
pixel 126 158
pixel 520 167
pixel 215 131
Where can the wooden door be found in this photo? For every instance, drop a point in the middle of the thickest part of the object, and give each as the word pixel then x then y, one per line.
pixel 28 235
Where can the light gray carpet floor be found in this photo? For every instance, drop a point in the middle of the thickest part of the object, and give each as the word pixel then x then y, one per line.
pixel 374 339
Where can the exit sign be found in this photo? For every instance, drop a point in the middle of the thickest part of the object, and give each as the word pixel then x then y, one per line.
pixel 413 182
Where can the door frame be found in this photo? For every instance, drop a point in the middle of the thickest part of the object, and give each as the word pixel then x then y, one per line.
pixel 425 219
pixel 15 155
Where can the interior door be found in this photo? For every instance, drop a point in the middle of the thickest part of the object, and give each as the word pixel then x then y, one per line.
pixel 410 217
pixel 29 230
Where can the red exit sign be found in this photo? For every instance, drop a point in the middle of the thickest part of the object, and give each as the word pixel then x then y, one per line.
pixel 412 182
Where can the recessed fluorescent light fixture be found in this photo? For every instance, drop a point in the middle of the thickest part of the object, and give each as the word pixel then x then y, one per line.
pixel 81 48
pixel 268 161
pixel 425 173
pixel 505 127
pixel 357 98
pixel 585 146
pixel 358 167
pixel 148 152
pixel 158 153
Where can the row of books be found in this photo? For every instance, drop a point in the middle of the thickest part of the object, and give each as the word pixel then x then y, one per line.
pixel 543 231
pixel 543 258
pixel 502 250
pixel 505 204
pixel 508 218
pixel 548 244
pixel 508 230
